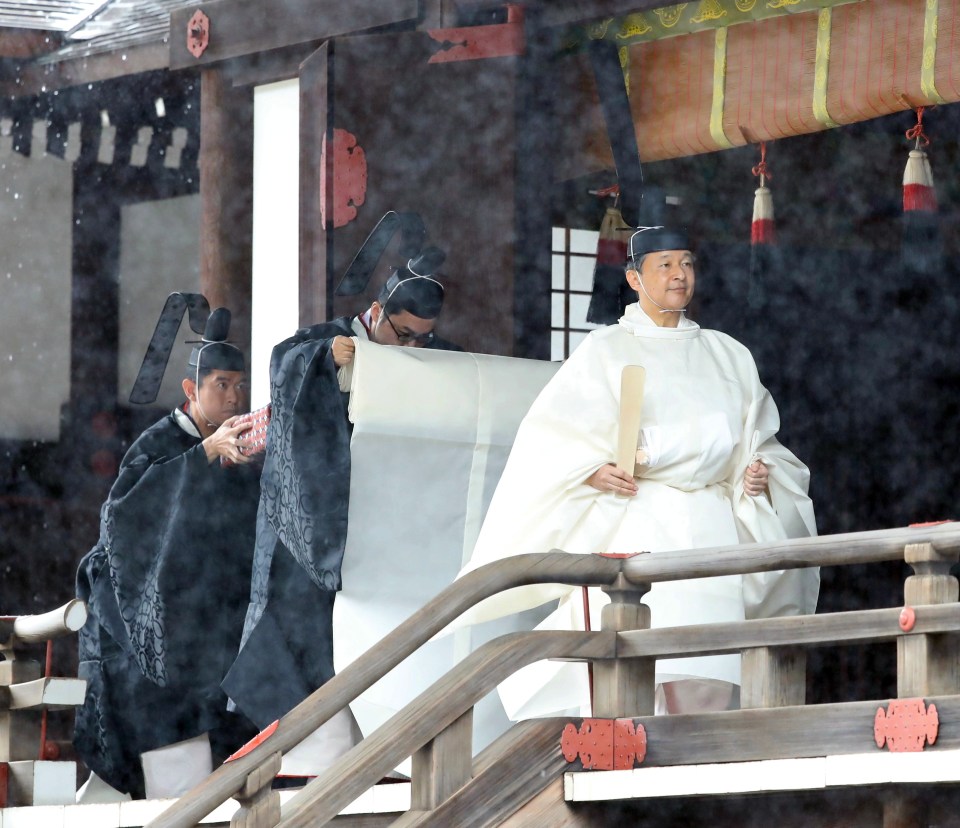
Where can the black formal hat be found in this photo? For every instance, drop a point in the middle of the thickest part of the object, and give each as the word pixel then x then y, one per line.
pixel 213 351
pixel 415 287
pixel 216 351
pixel 654 239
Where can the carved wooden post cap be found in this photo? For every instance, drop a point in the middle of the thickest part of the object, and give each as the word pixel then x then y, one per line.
pixel 927 553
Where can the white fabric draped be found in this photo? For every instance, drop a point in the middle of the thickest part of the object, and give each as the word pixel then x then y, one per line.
pixel 432 432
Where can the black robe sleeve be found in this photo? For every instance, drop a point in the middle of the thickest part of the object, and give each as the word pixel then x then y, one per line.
pixel 306 472
pixel 166 586
pixel 287 647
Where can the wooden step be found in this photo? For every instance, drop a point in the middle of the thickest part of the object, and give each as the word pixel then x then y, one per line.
pixel 382 804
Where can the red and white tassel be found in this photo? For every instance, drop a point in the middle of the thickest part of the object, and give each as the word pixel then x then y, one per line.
pixel 762 233
pixel 763 230
pixel 921 246
pixel 918 190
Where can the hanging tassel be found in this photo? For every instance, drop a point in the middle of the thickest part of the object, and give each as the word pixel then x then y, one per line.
pixel 610 293
pixel 762 234
pixel 920 243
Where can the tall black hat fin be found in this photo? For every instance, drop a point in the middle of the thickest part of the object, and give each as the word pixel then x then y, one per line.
pixel 412 236
pixel 427 262
pixel 154 365
pixel 615 103
pixel 611 293
pixel 217 328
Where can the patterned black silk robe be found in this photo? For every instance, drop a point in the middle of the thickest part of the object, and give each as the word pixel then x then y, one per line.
pixel 287 649
pixel 166 586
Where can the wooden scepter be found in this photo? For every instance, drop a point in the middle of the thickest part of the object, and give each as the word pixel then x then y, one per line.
pixel 632 380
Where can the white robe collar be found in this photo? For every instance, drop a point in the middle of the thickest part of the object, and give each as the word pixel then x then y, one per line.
pixel 185 422
pixel 636 322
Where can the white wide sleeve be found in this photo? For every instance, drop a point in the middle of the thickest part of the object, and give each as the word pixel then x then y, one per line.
pixel 786 513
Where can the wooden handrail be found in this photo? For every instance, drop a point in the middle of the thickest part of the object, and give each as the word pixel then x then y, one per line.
pixel 468 682
pixel 35 629
pixel 356 678
pixel 857 627
pixel 324 797
pixel 521 570
pixel 828 550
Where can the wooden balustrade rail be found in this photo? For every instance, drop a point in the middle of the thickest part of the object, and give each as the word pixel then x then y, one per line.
pixel 857 627
pixel 35 629
pixel 431 712
pixel 829 550
pixel 365 764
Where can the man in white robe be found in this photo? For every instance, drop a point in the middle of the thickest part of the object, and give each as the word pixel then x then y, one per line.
pixel 710 473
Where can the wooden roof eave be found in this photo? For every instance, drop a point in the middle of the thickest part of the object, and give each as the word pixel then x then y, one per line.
pixel 237 27
pixel 33 78
pixel 24 44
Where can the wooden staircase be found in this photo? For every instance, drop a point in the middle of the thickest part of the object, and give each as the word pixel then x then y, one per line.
pixel 523 779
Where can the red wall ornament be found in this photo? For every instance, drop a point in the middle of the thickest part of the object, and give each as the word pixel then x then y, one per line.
pixel 198 33
pixel 349 169
pixel 481 42
pixel 906 725
pixel 605 744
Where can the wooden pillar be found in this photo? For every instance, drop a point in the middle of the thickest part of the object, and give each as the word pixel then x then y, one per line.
pixel 316 127
pixel 773 677
pixel 259 803
pixel 904 810
pixel 443 765
pixel 928 665
pixel 624 688
pixel 94 329
pixel 19 729
pixel 435 14
pixel 534 172
pixel 226 198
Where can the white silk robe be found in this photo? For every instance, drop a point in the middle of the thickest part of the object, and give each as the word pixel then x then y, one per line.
pixel 705 416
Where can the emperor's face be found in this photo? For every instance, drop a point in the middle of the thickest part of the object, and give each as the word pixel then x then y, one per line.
pixel 668 277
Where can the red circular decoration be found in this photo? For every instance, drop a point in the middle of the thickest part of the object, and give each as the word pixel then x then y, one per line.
pixel 198 33
pixel 908 618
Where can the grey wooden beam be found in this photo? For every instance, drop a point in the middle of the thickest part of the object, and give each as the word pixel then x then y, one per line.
pixel 829 550
pixel 506 775
pixel 857 627
pixel 779 733
pixel 243 27
pixel 33 78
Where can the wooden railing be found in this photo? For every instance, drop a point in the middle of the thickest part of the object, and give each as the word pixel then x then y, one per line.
pixel 435 727
pixel 27 693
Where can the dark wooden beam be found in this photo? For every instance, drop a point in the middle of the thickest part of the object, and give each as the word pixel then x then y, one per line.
pixel 241 27
pixel 226 184
pixel 269 67
pixel 564 12
pixel 33 79
pixel 316 284
pixel 535 148
pixel 27 43
pixel 778 733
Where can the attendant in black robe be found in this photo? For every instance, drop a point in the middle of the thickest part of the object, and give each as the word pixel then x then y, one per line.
pixel 167 584
pixel 287 650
